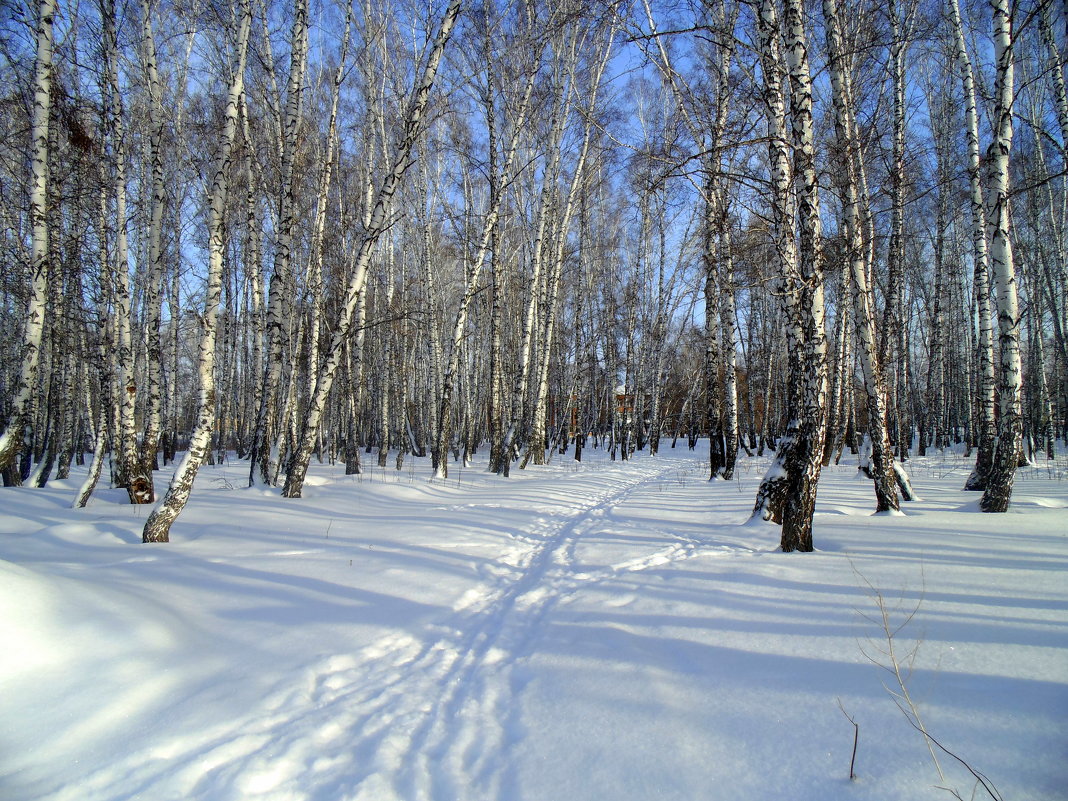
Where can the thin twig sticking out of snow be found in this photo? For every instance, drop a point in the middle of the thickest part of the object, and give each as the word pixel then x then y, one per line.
pixel 900 667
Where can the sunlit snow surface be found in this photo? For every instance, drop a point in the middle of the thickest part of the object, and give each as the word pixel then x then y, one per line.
pixel 609 630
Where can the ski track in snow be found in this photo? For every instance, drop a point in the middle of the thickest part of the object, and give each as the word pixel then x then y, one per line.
pixel 434 719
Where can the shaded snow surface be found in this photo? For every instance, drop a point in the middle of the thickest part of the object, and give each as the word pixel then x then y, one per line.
pixel 609 630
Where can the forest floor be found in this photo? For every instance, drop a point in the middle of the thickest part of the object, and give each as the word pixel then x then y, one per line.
pixel 603 630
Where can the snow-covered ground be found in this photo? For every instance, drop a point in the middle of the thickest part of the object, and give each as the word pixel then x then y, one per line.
pixel 609 630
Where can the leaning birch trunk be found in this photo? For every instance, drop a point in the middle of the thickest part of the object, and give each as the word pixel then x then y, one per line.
pixel 100 438
pixel 987 427
pixel 22 394
pixel 158 525
pixel 883 474
pixel 279 299
pixel 97 463
pixel 835 414
pixel 377 223
pixel 1010 373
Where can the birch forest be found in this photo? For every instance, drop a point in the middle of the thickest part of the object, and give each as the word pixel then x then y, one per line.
pixel 351 231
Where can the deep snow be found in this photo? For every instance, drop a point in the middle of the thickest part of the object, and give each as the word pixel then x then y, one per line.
pixel 603 630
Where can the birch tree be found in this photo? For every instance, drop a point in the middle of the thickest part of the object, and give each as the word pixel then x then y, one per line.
pixel 154 283
pixel 158 526
pixel 980 257
pixel 282 287
pixel 1010 370
pixel 787 494
pixel 498 178
pixel 12 436
pixel 863 313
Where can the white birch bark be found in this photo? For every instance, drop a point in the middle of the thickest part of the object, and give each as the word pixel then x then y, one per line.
pixel 11 439
pixel 315 266
pixel 863 305
pixel 788 492
pixel 520 407
pixel 722 451
pixel 130 471
pixel 1010 372
pixel 253 263
pixel 805 459
pixel 771 494
pixel 728 326
pixel 280 294
pixel 100 435
pixel 154 284
pixel 895 349
pixel 536 444
pixel 158 526
pixel 430 291
pixel 980 256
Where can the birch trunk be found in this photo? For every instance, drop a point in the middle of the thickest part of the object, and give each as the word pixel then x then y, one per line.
pixel 131 472
pixel 883 474
pixel 771 494
pixel 986 428
pixel 154 288
pixel 729 329
pixel 11 439
pixel 1010 374
pixel 158 526
pixel 709 259
pixel 787 493
pixel 315 267
pixel 253 267
pixel 715 255
pixel 520 409
pixel 474 270
pixel 279 301
pixel 895 341
pixel 806 459
pixel 536 444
